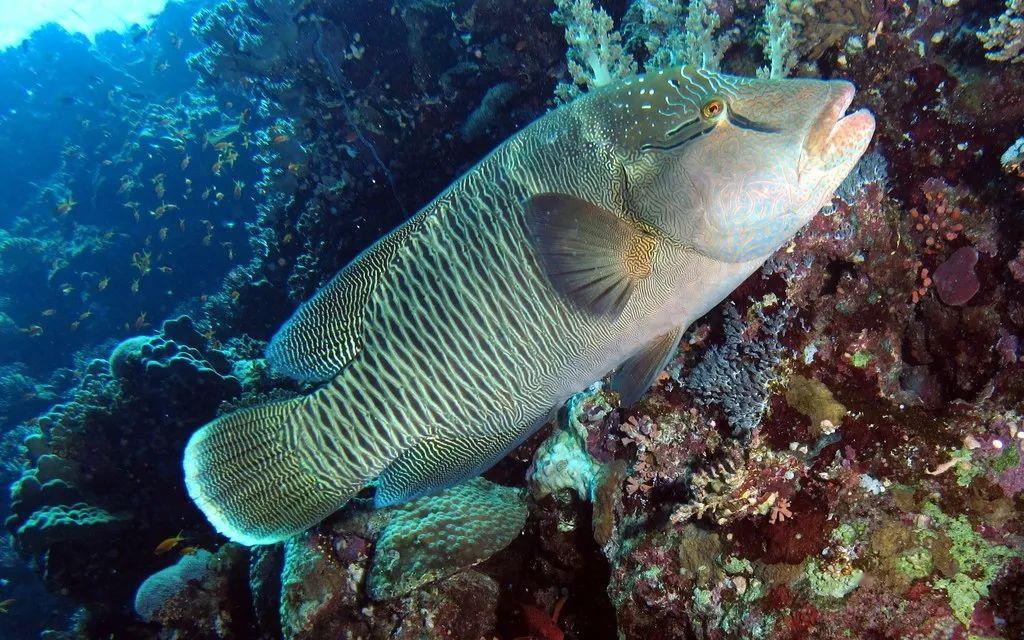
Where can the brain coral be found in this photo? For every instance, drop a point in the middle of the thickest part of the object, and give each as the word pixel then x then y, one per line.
pixel 163 585
pixel 436 536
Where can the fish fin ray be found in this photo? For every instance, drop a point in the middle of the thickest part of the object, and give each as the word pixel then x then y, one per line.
pixel 250 473
pixel 591 257
pixel 636 375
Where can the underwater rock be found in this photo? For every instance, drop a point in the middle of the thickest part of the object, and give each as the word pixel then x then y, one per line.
pixel 437 536
pixel 316 591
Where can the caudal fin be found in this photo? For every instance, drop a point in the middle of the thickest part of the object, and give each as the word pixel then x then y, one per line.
pixel 251 485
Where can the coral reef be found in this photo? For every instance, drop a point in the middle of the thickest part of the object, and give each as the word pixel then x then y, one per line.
pixel 835 452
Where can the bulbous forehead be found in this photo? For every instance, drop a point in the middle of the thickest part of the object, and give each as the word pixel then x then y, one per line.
pixel 649 110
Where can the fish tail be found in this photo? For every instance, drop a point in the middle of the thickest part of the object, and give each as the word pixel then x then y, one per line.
pixel 254 476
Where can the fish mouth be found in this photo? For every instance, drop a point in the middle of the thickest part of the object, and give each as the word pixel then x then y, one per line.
pixel 835 136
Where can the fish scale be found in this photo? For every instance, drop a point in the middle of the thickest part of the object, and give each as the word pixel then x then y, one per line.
pixel 548 264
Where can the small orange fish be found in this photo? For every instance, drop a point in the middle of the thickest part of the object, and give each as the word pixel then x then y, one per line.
pixel 48 312
pixel 169 544
pixel 140 323
pixel 65 205
pixel 102 284
pixel 162 234
pixel 219 196
pixel 294 167
pixel 165 269
pixel 216 168
pixel 278 139
pixel 75 325
pixel 238 188
pixel 66 288
pixel 235 295
pixel 32 330
pixel 189 551
pixel 85 315
pixel 185 162
pixel 135 285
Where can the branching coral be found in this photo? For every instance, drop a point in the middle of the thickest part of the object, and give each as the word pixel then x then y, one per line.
pixel 672 36
pixel 746 481
pixel 737 373
pixel 1004 38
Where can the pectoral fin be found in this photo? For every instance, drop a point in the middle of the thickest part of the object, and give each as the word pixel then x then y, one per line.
pixel 591 256
pixel 637 374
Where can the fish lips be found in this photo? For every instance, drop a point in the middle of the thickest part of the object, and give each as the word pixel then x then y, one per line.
pixel 835 138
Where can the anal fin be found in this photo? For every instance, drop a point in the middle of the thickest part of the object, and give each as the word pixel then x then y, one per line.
pixel 636 375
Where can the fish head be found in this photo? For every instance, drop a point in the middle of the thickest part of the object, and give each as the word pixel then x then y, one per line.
pixel 734 167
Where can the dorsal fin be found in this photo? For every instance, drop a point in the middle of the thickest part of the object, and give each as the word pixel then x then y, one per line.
pixel 325 333
pixel 591 256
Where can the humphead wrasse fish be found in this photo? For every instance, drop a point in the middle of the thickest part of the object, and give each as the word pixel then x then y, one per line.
pixel 585 243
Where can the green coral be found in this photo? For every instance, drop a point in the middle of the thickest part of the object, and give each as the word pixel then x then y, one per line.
pixel 735 564
pixel 779 41
pixel 437 536
pixel 979 562
pixel 915 563
pixel 861 358
pixel 1004 38
pixel 562 461
pixel 831 581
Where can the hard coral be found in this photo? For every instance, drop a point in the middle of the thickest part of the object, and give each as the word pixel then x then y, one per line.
pixel 437 536
pixel 737 373
pixel 57 524
pixel 1004 38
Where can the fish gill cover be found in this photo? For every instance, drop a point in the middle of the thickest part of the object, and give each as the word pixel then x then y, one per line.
pixel 833 452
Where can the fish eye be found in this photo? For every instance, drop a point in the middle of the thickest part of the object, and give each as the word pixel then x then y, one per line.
pixel 712 108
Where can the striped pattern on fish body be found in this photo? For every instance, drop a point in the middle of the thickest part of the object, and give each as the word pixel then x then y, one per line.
pixel 453 338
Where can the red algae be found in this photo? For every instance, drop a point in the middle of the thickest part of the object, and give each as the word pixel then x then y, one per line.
pixel 955 279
